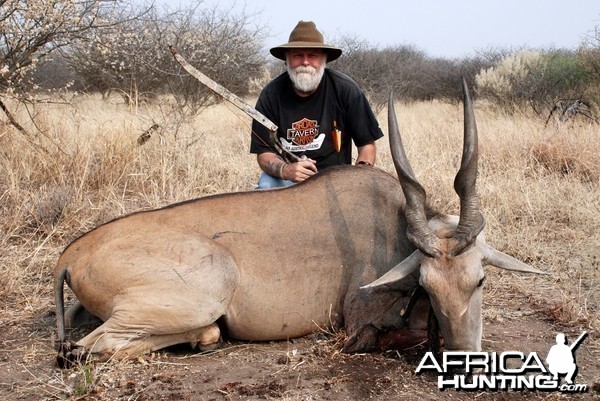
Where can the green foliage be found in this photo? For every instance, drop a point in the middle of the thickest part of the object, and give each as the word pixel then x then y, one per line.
pixel 534 78
pixel 557 75
pixel 85 380
pixel 588 56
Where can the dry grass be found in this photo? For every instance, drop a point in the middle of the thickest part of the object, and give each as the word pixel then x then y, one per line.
pixel 539 192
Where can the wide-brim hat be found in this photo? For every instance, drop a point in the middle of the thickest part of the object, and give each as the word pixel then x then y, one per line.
pixel 306 36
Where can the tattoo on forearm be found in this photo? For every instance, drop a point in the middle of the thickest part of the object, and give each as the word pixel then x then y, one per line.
pixel 274 168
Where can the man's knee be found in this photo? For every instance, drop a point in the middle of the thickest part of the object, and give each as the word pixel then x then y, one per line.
pixel 267 181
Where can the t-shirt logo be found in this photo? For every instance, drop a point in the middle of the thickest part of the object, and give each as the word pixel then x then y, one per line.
pixel 303 132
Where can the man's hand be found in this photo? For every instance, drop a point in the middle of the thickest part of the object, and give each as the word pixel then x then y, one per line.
pixel 272 164
pixel 299 171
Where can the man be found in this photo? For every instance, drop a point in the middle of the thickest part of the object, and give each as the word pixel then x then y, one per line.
pixel 319 113
pixel 560 359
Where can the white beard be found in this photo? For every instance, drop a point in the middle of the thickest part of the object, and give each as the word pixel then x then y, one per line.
pixel 306 78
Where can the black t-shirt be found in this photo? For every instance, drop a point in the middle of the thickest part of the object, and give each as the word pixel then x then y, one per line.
pixel 320 126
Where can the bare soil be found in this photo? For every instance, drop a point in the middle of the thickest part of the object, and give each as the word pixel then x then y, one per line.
pixel 309 368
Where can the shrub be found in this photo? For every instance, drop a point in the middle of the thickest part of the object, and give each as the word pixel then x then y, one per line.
pixel 534 78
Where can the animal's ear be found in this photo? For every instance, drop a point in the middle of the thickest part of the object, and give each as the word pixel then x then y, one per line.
pixel 499 259
pixel 398 272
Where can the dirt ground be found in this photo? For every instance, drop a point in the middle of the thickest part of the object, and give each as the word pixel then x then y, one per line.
pixel 309 368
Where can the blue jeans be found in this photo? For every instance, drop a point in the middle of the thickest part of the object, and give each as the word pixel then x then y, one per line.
pixel 266 181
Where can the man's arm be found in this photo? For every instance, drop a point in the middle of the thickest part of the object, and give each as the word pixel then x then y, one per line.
pixel 273 165
pixel 367 154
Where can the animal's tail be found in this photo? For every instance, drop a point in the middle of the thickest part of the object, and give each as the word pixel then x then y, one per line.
pixel 60 305
pixel 65 356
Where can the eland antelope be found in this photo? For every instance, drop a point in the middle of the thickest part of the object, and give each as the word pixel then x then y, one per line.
pixel 344 248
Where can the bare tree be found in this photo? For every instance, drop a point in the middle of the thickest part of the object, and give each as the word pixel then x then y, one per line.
pixel 406 70
pixel 32 30
pixel 132 57
pixel 378 71
pixel 589 57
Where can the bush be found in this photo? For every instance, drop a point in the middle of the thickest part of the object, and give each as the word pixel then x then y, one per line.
pixel 133 57
pixel 406 70
pixel 534 78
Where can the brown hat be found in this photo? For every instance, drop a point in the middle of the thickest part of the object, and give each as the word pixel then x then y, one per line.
pixel 306 36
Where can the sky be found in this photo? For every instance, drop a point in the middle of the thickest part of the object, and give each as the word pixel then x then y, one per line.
pixel 440 28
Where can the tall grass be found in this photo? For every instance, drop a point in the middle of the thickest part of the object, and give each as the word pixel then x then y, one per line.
pixel 82 166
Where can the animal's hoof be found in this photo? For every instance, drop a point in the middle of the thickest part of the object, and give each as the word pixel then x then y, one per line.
pixel 206 347
pixel 69 355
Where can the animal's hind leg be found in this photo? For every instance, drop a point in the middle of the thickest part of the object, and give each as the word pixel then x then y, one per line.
pixel 111 342
pixel 209 339
pixel 174 293
pixel 77 316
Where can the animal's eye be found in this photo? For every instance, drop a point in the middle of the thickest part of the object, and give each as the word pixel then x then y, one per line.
pixel 480 283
